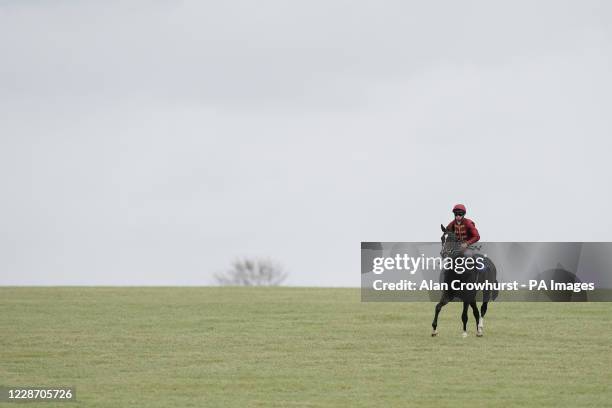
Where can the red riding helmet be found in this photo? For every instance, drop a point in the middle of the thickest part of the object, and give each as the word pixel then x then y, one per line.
pixel 459 209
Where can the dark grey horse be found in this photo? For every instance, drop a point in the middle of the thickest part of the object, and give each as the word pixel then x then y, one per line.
pixel 451 248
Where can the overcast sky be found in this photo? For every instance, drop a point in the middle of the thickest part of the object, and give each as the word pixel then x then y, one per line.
pixel 152 143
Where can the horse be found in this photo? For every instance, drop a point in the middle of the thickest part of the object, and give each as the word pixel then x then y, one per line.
pixel 451 248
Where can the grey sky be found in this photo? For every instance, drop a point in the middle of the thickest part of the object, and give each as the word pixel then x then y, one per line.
pixel 154 142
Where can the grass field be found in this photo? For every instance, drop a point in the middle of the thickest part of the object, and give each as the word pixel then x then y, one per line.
pixel 260 347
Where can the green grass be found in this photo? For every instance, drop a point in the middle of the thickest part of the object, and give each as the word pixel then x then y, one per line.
pixel 261 347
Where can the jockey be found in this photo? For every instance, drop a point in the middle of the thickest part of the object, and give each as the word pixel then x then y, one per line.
pixel 464 228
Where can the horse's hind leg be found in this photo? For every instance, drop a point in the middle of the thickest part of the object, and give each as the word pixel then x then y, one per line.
pixel 443 301
pixel 486 295
pixel 483 311
pixel 464 318
pixel 477 317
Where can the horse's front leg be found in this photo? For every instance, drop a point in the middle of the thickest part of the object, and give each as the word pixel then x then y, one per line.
pixel 443 301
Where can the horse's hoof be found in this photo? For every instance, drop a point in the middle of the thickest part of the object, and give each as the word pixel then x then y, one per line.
pixel 464 335
pixel 434 333
pixel 479 333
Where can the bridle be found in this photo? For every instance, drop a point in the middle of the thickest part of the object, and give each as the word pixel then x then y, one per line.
pixel 450 252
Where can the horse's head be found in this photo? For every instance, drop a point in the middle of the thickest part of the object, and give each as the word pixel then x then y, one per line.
pixel 451 247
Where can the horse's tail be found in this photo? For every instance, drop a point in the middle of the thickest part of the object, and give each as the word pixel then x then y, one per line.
pixel 491 276
pixel 495 292
pixel 490 295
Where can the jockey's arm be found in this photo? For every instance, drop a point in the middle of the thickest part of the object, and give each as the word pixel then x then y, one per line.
pixel 473 233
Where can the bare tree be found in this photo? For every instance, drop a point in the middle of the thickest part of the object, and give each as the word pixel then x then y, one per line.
pixel 252 272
